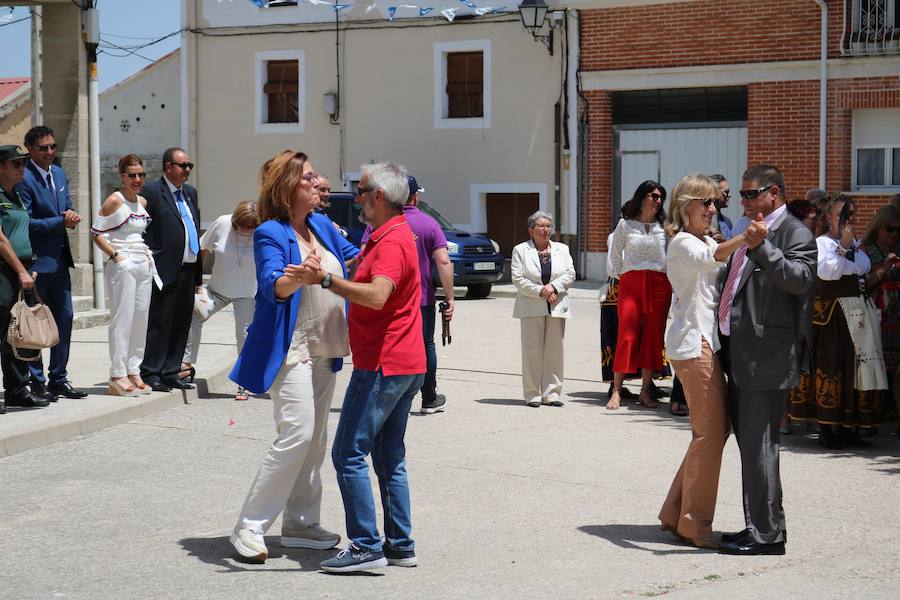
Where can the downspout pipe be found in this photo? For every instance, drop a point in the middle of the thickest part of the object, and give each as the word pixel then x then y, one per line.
pixel 823 91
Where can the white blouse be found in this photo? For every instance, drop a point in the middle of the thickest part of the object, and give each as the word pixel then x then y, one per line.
pixel 693 271
pixel 636 249
pixel 833 265
pixel 234 269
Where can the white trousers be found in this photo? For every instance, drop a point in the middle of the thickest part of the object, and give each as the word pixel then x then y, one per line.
pixel 542 357
pixel 243 315
pixel 289 478
pixel 129 283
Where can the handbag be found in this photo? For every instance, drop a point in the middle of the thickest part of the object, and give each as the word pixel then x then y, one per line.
pixel 203 304
pixel 31 328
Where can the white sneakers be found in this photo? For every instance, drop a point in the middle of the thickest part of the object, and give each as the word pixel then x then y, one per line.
pixel 312 537
pixel 250 545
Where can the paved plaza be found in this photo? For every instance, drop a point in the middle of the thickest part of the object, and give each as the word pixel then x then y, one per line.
pixel 507 501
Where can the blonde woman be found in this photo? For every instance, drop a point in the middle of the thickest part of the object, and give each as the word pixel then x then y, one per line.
pixel 693 264
pixel 118 231
pixel 542 271
pixel 233 281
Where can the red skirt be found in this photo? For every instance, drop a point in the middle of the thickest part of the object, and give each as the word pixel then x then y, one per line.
pixel 644 298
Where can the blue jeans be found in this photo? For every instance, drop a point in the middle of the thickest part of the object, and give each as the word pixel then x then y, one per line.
pixel 373 421
pixel 429 388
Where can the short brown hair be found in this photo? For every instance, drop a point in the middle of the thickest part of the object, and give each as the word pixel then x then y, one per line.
pixel 129 160
pixel 245 215
pixel 278 178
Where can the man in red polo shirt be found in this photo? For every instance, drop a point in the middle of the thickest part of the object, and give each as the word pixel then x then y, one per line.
pixel 388 369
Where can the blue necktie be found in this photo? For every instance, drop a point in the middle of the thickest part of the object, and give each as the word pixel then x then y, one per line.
pixel 193 244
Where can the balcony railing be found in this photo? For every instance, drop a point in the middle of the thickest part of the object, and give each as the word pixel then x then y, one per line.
pixel 871 29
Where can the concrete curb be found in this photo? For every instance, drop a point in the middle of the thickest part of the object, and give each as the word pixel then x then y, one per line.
pixel 138 407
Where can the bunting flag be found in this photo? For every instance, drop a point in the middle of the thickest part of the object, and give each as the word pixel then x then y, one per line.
pixel 449 14
pixel 340 7
pixel 390 12
pixel 469 3
pixel 425 11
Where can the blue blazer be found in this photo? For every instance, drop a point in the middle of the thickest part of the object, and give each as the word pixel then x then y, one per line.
pixel 269 335
pixel 46 207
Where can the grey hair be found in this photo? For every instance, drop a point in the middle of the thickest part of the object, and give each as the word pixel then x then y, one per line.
pixel 392 179
pixel 539 214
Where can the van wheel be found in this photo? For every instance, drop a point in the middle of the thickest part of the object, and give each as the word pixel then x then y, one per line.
pixel 478 290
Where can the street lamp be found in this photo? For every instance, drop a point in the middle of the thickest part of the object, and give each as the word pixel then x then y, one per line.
pixel 534 14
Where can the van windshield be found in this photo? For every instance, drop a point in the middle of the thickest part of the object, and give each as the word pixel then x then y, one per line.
pixel 444 223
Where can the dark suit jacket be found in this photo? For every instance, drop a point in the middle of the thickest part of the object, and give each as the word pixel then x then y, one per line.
pixel 769 336
pixel 165 234
pixel 48 231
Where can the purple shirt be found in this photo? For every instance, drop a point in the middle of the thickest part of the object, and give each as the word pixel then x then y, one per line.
pixel 429 237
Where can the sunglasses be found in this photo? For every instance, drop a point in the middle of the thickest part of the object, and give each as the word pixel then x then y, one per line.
pixel 891 229
pixel 18 163
pixel 751 194
pixel 134 176
pixel 655 196
pixel 46 147
pixel 184 166
pixel 707 202
pixel 364 190
pixel 726 194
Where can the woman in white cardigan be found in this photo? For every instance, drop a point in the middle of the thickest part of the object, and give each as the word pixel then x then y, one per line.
pixel 542 271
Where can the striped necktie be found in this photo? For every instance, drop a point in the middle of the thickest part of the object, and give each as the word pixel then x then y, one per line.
pixel 737 267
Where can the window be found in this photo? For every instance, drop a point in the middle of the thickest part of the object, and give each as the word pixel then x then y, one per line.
pixel 876 149
pixel 874 27
pixel 465 85
pixel 462 85
pixel 280 96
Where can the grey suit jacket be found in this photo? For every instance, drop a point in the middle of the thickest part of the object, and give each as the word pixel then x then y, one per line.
pixel 769 342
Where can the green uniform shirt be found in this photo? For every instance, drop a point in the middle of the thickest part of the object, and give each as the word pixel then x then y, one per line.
pixel 14 220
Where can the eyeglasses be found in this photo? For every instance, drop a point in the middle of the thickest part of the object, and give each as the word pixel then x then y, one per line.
pixel 46 147
pixel 548 227
pixel 309 176
pixel 655 196
pixel 184 166
pixel 751 194
pixel 18 163
pixel 134 176
pixel 891 229
pixel 364 190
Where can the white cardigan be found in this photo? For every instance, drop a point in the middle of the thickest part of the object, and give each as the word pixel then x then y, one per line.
pixel 526 276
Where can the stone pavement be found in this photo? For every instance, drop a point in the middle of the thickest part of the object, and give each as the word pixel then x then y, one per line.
pixel 508 501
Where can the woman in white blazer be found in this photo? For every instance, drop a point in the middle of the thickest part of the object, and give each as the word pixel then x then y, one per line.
pixel 542 271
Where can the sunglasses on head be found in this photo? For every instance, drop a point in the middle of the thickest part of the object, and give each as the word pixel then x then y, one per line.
pixel 891 229
pixel 751 194
pixel 134 176
pixel 46 147
pixel 184 166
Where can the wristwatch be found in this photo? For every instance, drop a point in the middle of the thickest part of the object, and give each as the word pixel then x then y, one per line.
pixel 326 282
pixel 113 257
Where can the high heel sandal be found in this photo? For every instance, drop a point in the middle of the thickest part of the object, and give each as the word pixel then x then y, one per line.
pixel 190 371
pixel 241 394
pixel 139 385
pixel 117 389
pixel 612 404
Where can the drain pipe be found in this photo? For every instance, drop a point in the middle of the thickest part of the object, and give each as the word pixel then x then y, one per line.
pixel 823 91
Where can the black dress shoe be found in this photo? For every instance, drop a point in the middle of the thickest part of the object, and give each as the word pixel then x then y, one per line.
pixel 829 439
pixel 40 390
pixel 29 400
pixel 158 386
pixel 751 548
pixel 736 537
pixel 851 438
pixel 65 390
pixel 2 408
pixel 177 384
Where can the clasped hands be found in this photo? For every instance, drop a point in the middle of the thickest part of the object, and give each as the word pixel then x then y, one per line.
pixel 756 232
pixel 549 293
pixel 308 272
pixel 71 218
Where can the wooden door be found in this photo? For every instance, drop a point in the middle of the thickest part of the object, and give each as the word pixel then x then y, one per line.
pixel 507 218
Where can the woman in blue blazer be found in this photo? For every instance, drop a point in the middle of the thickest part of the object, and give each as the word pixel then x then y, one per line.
pixel 294 348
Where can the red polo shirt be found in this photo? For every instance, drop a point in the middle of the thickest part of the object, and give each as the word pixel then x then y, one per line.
pixel 389 339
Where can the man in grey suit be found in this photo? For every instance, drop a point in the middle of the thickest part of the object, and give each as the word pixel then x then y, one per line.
pixel 766 297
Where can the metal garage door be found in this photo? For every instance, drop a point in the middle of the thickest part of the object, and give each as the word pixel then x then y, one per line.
pixel 669 153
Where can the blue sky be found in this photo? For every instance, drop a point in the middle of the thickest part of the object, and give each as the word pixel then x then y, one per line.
pixel 122 22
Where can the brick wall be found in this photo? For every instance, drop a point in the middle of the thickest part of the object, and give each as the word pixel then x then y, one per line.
pixel 600 164
pixel 672 35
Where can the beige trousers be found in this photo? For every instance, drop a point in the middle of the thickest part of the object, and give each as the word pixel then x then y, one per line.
pixel 691 503
pixel 542 357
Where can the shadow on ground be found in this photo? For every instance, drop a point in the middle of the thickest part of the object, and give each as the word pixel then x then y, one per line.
pixel 502 401
pixel 635 537
pixel 217 551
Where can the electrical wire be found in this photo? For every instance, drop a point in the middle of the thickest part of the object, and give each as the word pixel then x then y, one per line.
pixel 14 22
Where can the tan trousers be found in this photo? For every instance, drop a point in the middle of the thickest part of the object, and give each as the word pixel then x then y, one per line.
pixel 542 357
pixel 691 503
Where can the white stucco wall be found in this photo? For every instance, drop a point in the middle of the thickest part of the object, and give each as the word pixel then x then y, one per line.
pixel 387 113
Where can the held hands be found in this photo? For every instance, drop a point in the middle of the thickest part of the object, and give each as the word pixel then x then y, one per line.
pixel 549 293
pixel 756 232
pixel 308 272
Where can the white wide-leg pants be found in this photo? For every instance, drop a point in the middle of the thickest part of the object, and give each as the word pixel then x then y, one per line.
pixel 129 284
